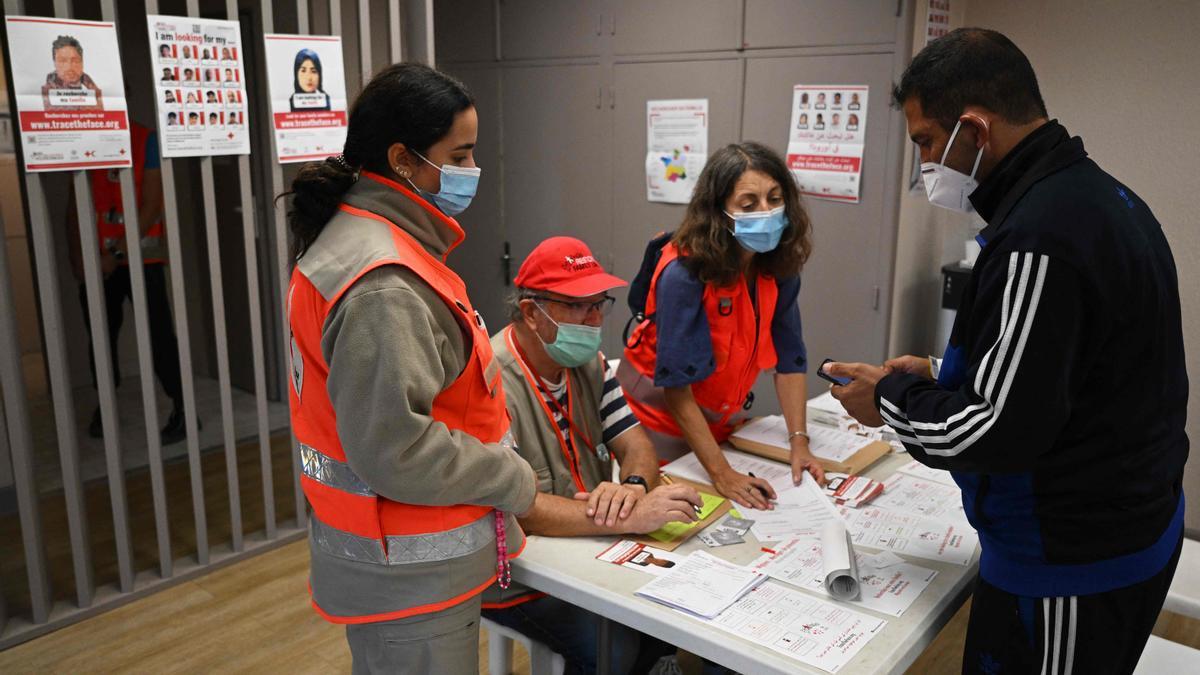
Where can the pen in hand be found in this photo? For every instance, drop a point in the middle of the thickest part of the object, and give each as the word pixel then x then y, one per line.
pixel 666 480
pixel 760 490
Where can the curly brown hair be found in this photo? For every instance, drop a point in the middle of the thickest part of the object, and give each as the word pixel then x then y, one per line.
pixel 705 237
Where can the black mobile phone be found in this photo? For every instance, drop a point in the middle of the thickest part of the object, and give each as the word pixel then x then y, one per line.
pixel 826 376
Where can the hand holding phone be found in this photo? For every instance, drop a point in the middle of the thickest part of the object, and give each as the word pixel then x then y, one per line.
pixel 837 381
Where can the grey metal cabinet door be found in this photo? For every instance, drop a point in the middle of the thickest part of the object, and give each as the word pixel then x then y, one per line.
pixel 847 281
pixel 674 26
pixel 478 260
pixel 464 30
pixel 791 23
pixel 557 157
pixel 636 220
pixel 536 29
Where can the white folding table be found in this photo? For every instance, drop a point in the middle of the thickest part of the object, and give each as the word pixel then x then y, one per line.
pixel 566 567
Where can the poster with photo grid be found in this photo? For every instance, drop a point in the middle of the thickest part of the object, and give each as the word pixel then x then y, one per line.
pixel 199 86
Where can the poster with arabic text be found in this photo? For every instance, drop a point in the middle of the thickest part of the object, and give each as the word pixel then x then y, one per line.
pixel 825 142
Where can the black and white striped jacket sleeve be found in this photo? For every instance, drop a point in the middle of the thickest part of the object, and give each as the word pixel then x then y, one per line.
pixel 1021 347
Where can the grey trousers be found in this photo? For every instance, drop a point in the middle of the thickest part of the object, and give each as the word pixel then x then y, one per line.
pixel 445 642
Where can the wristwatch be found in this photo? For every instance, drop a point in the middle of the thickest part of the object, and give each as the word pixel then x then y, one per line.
pixel 636 480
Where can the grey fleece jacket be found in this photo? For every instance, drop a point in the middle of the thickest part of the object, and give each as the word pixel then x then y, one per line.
pixel 392 345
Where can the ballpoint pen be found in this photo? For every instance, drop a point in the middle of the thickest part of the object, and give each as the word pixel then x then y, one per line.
pixel 666 480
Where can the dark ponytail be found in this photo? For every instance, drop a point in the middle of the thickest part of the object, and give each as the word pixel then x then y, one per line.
pixel 407 103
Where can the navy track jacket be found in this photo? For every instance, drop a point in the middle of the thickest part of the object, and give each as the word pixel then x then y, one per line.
pixel 1062 397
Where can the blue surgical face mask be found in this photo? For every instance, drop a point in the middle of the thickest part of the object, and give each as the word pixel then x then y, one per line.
pixel 459 184
pixel 759 231
pixel 574 345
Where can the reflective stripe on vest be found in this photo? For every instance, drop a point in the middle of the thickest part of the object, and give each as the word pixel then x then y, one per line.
pixel 404 549
pixel 328 471
pixel 742 348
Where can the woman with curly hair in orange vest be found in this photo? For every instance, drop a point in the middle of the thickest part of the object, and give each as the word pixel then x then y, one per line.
pixel 722 307
pixel 396 398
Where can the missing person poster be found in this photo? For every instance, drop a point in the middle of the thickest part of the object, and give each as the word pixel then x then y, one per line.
pixel 199 86
pixel 937 20
pixel 70 94
pixel 825 144
pixel 308 95
pixel 676 148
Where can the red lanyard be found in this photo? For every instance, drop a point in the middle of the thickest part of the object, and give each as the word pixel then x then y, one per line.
pixel 503 566
pixel 568 449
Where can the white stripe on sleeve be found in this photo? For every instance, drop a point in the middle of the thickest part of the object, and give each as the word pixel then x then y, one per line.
pixel 1019 310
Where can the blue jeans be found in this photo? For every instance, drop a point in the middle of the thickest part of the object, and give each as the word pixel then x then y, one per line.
pixel 572 632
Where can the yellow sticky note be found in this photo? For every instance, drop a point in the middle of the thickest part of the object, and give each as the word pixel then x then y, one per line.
pixel 674 530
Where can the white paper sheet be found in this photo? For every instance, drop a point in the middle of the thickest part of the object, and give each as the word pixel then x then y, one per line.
pixel 827 403
pixel 825 410
pixel 887 584
pixel 834 444
pixel 910 534
pixel 812 631
pixel 702 584
pixel 637 556
pixel 779 475
pixel 883 559
pixel 824 442
pixel 931 499
pixel 800 509
pixel 919 470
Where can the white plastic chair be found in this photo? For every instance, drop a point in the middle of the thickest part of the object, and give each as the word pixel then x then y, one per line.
pixel 1184 596
pixel 542 661
pixel 1163 656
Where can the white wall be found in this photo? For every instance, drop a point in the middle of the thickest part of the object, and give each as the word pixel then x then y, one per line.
pixel 1122 75
pixel 928 238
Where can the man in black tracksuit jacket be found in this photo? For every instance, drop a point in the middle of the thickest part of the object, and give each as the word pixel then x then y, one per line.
pixel 1060 404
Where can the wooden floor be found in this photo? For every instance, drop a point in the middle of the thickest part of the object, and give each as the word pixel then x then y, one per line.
pixel 250 617
pixel 13 578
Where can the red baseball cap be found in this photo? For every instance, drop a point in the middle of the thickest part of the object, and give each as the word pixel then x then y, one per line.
pixel 566 266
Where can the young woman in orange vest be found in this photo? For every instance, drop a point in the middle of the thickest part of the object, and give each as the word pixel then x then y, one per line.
pixel 396 398
pixel 722 307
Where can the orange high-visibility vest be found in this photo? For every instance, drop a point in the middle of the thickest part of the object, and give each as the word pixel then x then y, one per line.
pixel 347 514
pixel 741 344
pixel 106 196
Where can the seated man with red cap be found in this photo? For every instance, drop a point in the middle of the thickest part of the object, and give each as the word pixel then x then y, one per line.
pixel 570 421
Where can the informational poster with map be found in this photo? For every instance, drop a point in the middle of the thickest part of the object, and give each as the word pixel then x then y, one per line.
pixel 676 148
pixel 826 138
pixel 70 93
